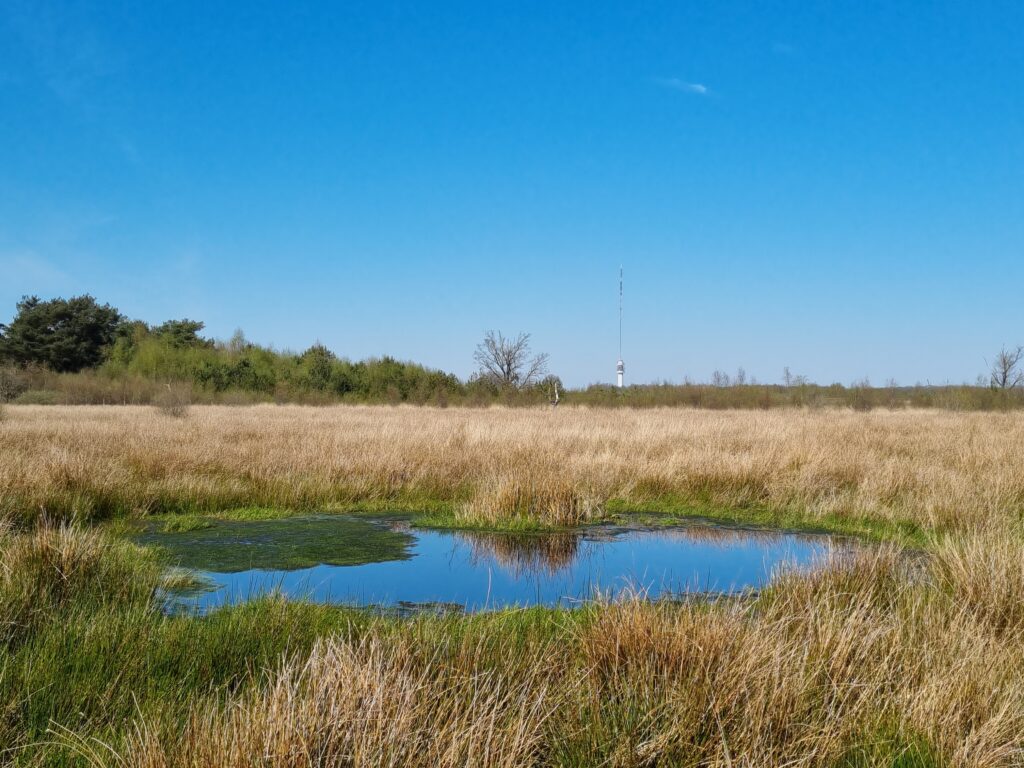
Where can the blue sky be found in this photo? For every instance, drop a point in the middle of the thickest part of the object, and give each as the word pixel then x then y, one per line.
pixel 833 187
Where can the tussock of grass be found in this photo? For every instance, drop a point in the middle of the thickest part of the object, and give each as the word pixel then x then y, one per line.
pixel 522 496
pixel 181 580
pixel 370 701
pixel 985 574
pixel 58 565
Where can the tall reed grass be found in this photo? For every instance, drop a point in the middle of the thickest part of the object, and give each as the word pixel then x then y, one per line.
pixel 914 470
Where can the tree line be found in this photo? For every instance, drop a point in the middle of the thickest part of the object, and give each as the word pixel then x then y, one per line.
pixel 78 350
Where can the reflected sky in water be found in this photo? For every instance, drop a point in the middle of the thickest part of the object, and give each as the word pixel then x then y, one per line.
pixel 480 571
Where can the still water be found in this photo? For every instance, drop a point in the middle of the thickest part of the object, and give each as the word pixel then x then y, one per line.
pixel 338 559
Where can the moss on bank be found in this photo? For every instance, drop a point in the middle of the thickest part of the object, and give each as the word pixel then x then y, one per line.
pixel 275 542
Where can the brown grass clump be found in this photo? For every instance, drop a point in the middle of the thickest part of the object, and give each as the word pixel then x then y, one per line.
pixel 984 573
pixel 367 702
pixel 173 400
pixel 932 470
pixel 519 496
pixel 43 570
pixel 821 673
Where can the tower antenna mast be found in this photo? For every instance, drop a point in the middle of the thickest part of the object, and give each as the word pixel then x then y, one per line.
pixel 620 369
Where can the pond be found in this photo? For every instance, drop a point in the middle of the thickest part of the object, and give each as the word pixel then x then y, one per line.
pixel 387 563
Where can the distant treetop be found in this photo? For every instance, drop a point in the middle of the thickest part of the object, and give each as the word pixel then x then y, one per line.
pixel 65 335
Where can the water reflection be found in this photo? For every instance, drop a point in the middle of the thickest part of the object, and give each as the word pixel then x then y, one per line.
pixel 479 571
pixel 523 554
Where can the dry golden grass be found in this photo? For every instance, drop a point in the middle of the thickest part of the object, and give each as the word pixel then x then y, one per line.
pixel 371 702
pixel 885 659
pixel 935 469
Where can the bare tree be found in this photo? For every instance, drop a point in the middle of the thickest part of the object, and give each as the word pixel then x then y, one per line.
pixel 790 379
pixel 508 362
pixel 1005 371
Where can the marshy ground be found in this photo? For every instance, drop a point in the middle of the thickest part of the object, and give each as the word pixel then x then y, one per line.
pixel 887 660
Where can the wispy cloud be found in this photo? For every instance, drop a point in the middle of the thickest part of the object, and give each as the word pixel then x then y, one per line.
pixel 675 84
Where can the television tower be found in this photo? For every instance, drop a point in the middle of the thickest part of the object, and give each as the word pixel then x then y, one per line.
pixel 620 368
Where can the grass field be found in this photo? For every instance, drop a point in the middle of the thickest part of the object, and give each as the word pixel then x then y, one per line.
pixel 891 660
pixel 890 471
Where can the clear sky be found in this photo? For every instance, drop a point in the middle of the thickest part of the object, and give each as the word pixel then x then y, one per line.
pixel 833 187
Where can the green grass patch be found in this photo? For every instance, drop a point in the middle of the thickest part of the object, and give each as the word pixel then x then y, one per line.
pixel 177 523
pixel 411 504
pixel 256 513
pixel 183 581
pixel 672 510
pixel 892 748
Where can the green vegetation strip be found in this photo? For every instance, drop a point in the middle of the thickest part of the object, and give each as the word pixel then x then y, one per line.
pixel 654 511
